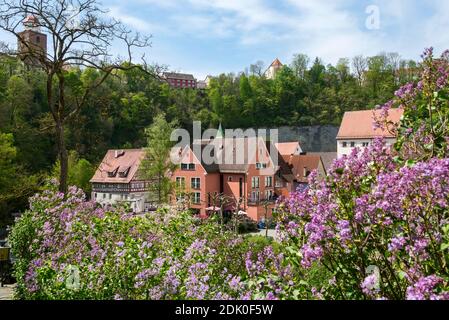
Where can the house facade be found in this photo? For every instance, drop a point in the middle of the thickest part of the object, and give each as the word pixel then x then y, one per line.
pixel 180 80
pixel 357 130
pixel 118 179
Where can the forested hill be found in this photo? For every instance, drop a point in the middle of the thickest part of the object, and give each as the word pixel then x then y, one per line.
pixel 116 114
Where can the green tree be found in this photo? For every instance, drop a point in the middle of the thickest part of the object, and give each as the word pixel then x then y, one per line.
pixel 300 65
pixel 157 164
pixel 80 172
pixel 7 155
pixel 15 185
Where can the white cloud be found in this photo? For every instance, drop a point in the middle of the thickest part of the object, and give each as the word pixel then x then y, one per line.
pixel 328 29
pixel 435 29
pixel 133 21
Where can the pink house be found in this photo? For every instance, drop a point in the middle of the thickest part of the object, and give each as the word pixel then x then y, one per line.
pixel 257 173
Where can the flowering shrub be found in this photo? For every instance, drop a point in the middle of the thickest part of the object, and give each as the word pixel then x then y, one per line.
pixel 69 248
pixel 423 132
pixel 370 212
pixel 379 221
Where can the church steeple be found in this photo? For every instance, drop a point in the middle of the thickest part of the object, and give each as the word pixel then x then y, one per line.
pixel 32 42
pixel 220 133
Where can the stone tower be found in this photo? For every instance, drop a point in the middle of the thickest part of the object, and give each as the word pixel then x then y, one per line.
pixel 32 43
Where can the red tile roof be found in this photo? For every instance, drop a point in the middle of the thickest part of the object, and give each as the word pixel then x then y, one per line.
pixel 126 161
pixel 287 148
pixel 31 19
pixel 300 162
pixel 359 124
pixel 276 63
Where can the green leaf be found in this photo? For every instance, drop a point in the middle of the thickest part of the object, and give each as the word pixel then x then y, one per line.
pixel 410 163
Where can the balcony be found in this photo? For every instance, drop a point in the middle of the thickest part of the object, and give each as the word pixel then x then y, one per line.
pixel 260 202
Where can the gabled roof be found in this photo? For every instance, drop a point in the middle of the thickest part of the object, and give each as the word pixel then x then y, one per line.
pixel 359 124
pixel 326 157
pixel 299 163
pixel 126 162
pixel 181 76
pixel 276 63
pixel 288 148
pixel 228 159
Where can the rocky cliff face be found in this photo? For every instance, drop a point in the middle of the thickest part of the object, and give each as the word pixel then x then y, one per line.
pixel 311 138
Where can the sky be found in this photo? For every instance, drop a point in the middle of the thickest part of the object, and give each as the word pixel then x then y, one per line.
pixel 219 36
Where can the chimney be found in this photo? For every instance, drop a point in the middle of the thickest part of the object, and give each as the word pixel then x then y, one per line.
pixel 118 153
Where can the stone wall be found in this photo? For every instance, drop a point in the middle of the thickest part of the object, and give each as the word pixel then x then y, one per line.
pixel 311 138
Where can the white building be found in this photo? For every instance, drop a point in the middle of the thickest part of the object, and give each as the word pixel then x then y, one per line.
pixel 273 69
pixel 118 179
pixel 357 131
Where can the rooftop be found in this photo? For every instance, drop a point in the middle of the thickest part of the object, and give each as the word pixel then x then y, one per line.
pixel 288 148
pixel 276 63
pixel 119 166
pixel 359 124
pixel 326 157
pixel 182 76
pixel 301 163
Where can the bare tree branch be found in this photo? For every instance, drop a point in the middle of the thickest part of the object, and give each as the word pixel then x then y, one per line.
pixel 79 34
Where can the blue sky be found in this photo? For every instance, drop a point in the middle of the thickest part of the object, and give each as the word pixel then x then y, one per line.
pixel 213 36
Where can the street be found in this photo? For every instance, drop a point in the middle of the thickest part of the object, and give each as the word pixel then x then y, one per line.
pixel 6 292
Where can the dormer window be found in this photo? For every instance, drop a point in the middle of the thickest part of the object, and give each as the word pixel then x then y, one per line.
pixel 112 174
pixel 306 172
pixel 124 173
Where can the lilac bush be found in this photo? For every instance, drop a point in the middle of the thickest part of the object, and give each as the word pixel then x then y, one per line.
pixel 370 211
pixel 161 255
pixel 384 208
pixel 424 130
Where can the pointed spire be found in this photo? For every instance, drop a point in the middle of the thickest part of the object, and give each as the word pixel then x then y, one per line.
pixel 220 132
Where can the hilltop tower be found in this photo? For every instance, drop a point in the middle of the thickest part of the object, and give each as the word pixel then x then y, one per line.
pixel 273 69
pixel 32 43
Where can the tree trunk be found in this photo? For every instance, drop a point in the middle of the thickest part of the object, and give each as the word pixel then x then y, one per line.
pixel 63 158
pixel 159 189
pixel 266 222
